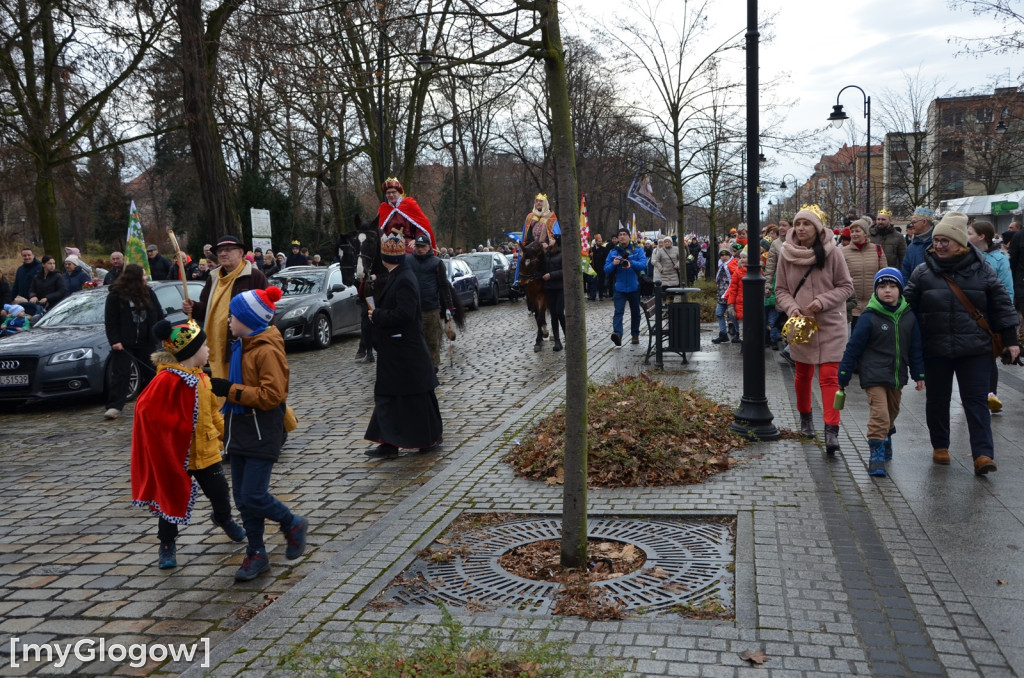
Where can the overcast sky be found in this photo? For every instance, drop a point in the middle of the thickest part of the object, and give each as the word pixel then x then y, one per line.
pixel 825 46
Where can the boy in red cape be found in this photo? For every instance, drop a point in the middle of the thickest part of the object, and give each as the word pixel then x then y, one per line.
pixel 176 440
pixel 401 213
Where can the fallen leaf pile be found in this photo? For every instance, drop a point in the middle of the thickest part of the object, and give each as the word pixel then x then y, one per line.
pixel 640 433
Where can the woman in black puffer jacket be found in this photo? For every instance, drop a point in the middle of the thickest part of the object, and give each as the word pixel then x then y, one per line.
pixel 954 344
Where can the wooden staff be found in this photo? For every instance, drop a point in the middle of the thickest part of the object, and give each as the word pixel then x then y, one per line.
pixel 181 267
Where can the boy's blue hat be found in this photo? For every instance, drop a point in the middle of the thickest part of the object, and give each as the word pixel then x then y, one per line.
pixel 889 274
pixel 255 308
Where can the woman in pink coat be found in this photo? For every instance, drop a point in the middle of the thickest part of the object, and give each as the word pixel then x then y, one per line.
pixel 812 279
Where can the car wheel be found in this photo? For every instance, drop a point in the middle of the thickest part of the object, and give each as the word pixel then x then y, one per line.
pixel 321 331
pixel 474 301
pixel 495 293
pixel 134 380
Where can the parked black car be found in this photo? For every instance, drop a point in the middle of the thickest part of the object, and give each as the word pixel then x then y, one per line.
pixel 316 305
pixel 466 285
pixel 66 353
pixel 491 270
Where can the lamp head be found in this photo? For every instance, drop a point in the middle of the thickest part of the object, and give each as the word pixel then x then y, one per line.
pixel 783 186
pixel 838 116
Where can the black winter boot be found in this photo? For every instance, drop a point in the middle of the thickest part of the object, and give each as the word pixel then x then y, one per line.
pixel 831 439
pixel 723 338
pixel 807 424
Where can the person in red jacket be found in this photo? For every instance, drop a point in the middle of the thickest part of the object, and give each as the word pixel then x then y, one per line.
pixel 734 295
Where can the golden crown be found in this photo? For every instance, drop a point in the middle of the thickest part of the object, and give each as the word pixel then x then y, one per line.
pixel 884 213
pixel 799 329
pixel 181 336
pixel 820 213
pixel 541 196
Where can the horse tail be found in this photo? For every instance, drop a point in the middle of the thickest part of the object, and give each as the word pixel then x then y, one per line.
pixel 459 316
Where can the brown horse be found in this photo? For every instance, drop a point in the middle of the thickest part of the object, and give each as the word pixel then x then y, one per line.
pixel 531 272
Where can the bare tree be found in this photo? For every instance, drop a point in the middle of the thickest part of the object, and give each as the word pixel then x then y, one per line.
pixel 909 162
pixel 63 63
pixel 672 57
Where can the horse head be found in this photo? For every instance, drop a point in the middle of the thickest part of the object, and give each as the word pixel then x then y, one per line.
pixel 365 241
pixel 533 260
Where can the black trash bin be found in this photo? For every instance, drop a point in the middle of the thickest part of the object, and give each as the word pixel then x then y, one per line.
pixel 683 327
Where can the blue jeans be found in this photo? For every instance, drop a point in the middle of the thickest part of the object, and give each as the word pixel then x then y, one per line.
pixel 620 300
pixel 250 486
pixel 720 314
pixel 772 317
pixel 972 376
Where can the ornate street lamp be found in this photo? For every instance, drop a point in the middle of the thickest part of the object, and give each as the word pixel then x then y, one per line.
pixel 753 418
pixel 838 117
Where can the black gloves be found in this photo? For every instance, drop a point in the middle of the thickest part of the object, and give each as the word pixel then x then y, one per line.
pixel 220 387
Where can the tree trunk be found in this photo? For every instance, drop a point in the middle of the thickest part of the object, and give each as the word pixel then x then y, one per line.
pixel 199 65
pixel 46 204
pixel 574 494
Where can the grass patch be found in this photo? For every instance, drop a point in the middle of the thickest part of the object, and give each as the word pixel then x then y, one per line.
pixel 641 432
pixel 447 650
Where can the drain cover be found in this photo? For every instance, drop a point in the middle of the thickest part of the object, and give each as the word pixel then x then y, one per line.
pixel 688 562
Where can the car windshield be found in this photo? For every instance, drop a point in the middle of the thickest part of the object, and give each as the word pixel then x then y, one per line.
pixel 478 262
pixel 82 308
pixel 295 284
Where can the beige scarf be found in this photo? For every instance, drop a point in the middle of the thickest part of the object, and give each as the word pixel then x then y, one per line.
pixel 795 253
pixel 216 326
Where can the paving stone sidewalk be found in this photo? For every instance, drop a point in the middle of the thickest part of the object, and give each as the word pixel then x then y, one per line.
pixel 838 573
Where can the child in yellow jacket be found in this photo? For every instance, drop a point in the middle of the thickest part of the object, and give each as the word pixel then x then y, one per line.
pixel 176 434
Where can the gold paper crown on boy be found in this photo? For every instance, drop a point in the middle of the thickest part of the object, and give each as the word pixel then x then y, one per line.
pixel 181 340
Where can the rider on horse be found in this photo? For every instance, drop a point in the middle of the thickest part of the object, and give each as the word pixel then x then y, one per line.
pixel 402 213
pixel 541 226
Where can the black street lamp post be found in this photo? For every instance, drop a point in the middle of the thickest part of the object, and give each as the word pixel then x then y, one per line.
pixel 838 117
pixel 753 418
pixel 796 184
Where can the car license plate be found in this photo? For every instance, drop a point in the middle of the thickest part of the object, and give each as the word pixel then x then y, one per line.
pixel 13 380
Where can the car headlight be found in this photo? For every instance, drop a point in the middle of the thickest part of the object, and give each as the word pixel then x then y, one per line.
pixel 295 312
pixel 71 356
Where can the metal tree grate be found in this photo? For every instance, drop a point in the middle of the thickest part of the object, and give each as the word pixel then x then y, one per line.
pixel 688 562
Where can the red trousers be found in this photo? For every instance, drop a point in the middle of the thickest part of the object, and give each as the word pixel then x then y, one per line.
pixel 828 381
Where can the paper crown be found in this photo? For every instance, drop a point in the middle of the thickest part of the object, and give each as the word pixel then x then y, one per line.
pixel 799 329
pixel 924 212
pixel 820 213
pixel 177 339
pixel 541 196
pixel 393 182
pixel 884 212
pixel 296 243
pixel 392 245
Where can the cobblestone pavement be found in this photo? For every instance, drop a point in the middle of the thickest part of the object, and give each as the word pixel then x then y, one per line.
pixel 837 573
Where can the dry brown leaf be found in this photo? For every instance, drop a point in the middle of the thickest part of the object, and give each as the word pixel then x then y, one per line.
pixel 1000 582
pixel 659 573
pixel 628 553
pixel 758 657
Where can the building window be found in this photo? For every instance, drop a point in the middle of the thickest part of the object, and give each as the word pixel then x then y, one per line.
pixel 985 114
pixel 952 117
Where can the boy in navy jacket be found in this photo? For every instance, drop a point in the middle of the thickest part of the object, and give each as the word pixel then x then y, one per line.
pixel 885 342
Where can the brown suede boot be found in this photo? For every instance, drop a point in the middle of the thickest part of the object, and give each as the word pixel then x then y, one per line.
pixel 983 465
pixel 941 456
